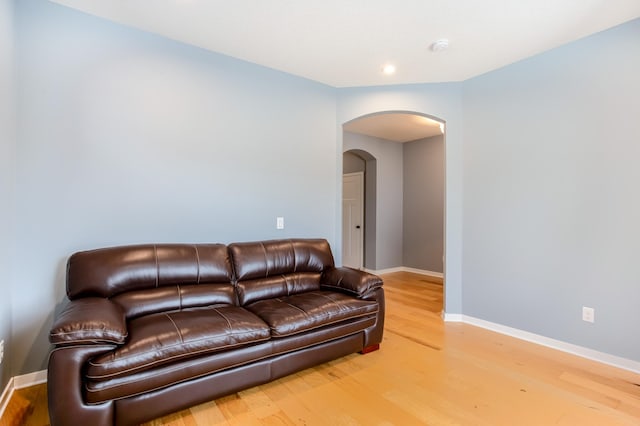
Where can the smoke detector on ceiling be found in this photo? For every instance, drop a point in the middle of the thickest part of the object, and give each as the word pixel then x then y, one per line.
pixel 440 45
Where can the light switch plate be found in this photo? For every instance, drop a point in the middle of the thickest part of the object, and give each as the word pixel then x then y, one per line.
pixel 588 314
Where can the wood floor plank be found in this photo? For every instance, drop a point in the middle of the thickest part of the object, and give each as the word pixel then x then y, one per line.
pixel 426 372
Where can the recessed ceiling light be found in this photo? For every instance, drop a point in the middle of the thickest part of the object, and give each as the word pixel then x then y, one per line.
pixel 440 45
pixel 389 69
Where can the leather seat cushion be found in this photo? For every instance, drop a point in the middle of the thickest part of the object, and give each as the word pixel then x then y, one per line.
pixel 189 369
pixel 305 311
pixel 166 337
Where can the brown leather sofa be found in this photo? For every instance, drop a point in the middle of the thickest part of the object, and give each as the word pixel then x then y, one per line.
pixel 153 329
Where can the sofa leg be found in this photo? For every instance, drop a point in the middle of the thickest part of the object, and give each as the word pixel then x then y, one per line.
pixel 371 348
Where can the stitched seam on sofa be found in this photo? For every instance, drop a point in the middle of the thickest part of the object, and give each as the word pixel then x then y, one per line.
pixel 155 252
pixel 197 264
pixel 197 376
pixel 168 371
pixel 149 364
pixel 230 333
pixel 286 284
pixel 340 307
pixel 318 343
pixel 226 319
pixel 325 323
pixel 271 355
pixel 266 261
pixel 176 327
pixel 294 306
pixel 112 339
pixel 68 343
pixel 61 348
pixel 179 297
pixel 75 332
pixel 347 290
pixel 180 344
pixel 293 249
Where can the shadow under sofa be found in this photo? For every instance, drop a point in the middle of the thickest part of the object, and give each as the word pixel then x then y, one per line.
pixel 156 328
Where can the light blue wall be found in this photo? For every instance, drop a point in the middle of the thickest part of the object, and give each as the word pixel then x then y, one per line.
pixel 443 101
pixel 7 184
pixel 126 137
pixel 551 193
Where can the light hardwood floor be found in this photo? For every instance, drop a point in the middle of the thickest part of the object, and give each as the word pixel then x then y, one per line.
pixel 426 372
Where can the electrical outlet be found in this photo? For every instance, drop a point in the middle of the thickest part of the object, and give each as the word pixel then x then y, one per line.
pixel 1 350
pixel 588 314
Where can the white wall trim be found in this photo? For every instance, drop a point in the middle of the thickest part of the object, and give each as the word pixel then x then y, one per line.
pixel 31 379
pixel 423 272
pixel 581 351
pixel 384 271
pixel 19 382
pixel 452 317
pixel 405 269
pixel 7 393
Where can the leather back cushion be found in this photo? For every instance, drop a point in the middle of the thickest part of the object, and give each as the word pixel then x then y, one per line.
pixel 163 268
pixel 174 298
pixel 268 269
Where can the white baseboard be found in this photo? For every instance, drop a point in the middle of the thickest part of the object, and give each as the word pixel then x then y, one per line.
pixel 31 379
pixel 384 271
pixel 452 317
pixel 423 272
pixel 7 393
pixel 581 351
pixel 406 269
pixel 19 382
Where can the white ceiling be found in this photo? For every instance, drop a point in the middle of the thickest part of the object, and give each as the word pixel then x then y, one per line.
pixel 344 43
pixel 395 126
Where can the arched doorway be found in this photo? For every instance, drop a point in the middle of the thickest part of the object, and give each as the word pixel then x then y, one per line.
pixel 409 227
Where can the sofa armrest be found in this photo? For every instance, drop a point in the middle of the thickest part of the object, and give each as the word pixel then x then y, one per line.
pixel 354 281
pixel 89 320
pixel 65 384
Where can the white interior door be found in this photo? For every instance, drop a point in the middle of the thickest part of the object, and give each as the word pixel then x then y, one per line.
pixel 353 219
